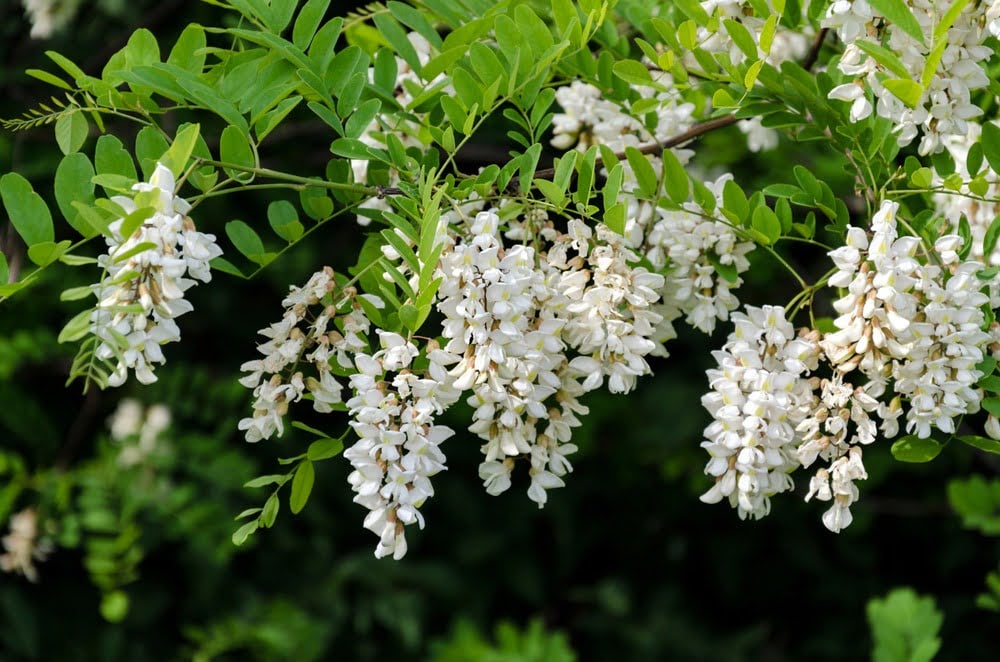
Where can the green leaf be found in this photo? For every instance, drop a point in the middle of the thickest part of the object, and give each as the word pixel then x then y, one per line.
pixel 302 485
pixel 992 405
pixel 615 217
pixel 324 449
pixel 28 212
pixel 315 203
pixel 742 38
pixel 990 142
pixel 244 532
pixel 176 157
pixel 409 316
pixel 675 177
pixel 982 443
pixel 991 237
pixel 693 10
pixel 883 56
pixel 264 481
pixel 912 448
pixel 71 131
pixel 77 327
pixel 632 72
pixel 908 91
pixel 359 121
pixel 51 79
pixel 270 512
pixel 245 239
pixel 186 52
pixel 235 148
pixel 307 22
pixel 767 223
pixel 899 15
pixel 649 184
pixel 73 183
pixel 45 253
pixel 734 202
pixel 4 270
pixel 284 220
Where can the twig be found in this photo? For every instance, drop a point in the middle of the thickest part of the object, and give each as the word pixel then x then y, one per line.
pixel 810 60
pixel 652 148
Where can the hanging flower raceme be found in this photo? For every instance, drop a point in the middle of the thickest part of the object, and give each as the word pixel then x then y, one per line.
pixel 155 254
pixel 321 330
pixel 942 69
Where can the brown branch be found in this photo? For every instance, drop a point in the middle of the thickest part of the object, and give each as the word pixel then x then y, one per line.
pixel 813 55
pixel 694 132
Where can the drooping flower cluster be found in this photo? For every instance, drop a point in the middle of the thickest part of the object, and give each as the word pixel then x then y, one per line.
pixel 137 429
pixel 148 268
pixel 314 330
pixel 49 16
pixel 511 318
pixel 941 96
pixel 919 325
pixel 397 451
pixel 760 393
pixel 22 547
pixel 910 327
pixel 688 242
pixel 979 213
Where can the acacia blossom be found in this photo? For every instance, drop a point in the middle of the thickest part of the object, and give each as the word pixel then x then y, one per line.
pixel 148 268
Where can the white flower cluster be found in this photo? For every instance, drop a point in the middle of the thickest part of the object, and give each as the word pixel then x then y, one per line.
pixel 137 428
pixel 511 315
pixel 397 451
pixel 918 325
pixel 49 16
pixel 21 546
pixel 979 213
pixel 945 104
pixel 688 241
pixel 313 331
pixel 685 241
pixel 910 324
pixel 760 393
pixel 148 269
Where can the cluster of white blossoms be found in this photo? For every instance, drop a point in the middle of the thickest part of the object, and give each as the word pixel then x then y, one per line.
pixel 910 327
pixel 49 16
pixel 22 547
pixel 397 451
pixel 684 241
pixel 148 268
pixel 916 325
pixel 689 242
pixel 511 318
pixel 137 428
pixel 314 330
pixel 979 211
pixel 759 395
pixel 955 60
pixel 532 318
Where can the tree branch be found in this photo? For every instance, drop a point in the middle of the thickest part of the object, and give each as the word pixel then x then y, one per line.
pixel 813 55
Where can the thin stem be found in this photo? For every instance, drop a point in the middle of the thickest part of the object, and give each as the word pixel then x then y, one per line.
pixel 376 191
